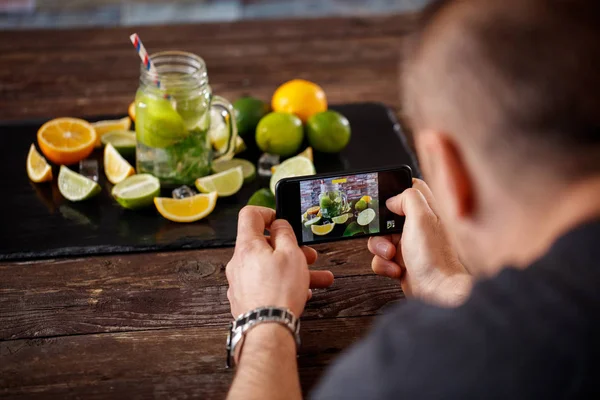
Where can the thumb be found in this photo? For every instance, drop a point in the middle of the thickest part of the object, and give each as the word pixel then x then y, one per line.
pixel 410 203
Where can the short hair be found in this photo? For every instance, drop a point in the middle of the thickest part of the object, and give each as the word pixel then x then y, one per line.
pixel 519 78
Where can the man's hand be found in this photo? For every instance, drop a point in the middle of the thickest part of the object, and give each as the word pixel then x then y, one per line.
pixel 270 271
pixel 421 257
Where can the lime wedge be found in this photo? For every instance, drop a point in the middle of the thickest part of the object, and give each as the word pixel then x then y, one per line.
pixel 353 229
pixel 366 217
pixel 76 187
pixel 340 219
pixel 248 168
pixel 295 166
pixel 312 221
pixel 137 191
pixel 123 141
pixel 225 183
pixel 263 198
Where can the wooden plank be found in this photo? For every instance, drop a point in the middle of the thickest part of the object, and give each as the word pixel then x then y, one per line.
pixel 178 363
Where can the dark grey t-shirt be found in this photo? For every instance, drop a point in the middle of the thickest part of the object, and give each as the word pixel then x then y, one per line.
pixel 525 334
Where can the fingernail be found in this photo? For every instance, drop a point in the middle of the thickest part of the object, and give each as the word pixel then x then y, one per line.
pixel 383 250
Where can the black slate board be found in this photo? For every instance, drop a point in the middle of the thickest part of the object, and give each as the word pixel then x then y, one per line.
pixel 37 222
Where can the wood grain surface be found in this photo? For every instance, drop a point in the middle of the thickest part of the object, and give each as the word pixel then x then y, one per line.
pixel 154 325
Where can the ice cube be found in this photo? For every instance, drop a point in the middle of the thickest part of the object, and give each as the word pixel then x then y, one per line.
pixel 266 162
pixel 89 169
pixel 182 192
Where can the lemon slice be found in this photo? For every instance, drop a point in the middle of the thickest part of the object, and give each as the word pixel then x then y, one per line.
pixel 103 127
pixel 188 209
pixel 321 230
pixel 38 168
pixel 137 191
pixel 116 167
pixel 248 168
pixel 225 183
pixel 366 217
pixel 123 141
pixel 341 219
pixel 295 166
pixel 76 187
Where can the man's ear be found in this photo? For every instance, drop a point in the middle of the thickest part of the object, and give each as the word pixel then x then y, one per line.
pixel 446 173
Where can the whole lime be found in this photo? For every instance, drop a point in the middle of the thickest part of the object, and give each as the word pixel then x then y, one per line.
pixel 279 133
pixel 328 131
pixel 360 205
pixel 248 112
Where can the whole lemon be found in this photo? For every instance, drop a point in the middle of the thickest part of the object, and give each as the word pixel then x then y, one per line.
pixel 299 97
pixel 280 133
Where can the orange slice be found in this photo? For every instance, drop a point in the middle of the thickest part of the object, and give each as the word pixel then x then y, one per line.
pixel 131 111
pixel 188 209
pixel 38 169
pixel 103 127
pixel 116 167
pixel 66 140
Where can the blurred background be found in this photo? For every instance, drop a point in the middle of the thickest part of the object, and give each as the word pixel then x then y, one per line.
pixel 60 14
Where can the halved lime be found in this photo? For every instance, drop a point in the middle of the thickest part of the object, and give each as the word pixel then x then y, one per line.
pixel 263 198
pixel 248 168
pixel 341 219
pixel 123 141
pixel 76 187
pixel 157 123
pixel 312 221
pixel 322 230
pixel 225 183
pixel 295 166
pixel 136 191
pixel 366 217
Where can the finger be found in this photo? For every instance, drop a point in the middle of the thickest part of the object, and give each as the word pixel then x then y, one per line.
pixel 410 203
pixel 385 267
pixel 282 235
pixel 309 295
pixel 422 187
pixel 382 246
pixel 321 279
pixel 252 222
pixel 310 254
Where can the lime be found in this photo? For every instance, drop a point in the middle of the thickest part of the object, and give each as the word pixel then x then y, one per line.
pixel 248 112
pixel 353 229
pixel 157 123
pixel 263 198
pixel 122 141
pixel 225 183
pixel 325 202
pixel 360 205
pixel 295 166
pixel 279 133
pixel 366 217
pixel 76 187
pixel 312 221
pixel 322 230
pixel 136 191
pixel 248 168
pixel 341 219
pixel 328 131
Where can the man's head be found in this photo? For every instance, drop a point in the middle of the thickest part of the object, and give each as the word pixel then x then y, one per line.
pixel 504 100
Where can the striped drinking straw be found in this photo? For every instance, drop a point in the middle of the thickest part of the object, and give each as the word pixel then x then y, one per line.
pixel 137 43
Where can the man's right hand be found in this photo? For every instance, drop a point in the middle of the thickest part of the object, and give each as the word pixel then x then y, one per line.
pixel 421 257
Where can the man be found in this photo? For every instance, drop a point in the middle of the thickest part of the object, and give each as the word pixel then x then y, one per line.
pixel 502 254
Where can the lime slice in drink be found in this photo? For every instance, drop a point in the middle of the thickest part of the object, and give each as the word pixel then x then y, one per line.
pixel 76 187
pixel 157 123
pixel 321 230
pixel 312 221
pixel 366 217
pixel 137 191
pixel 295 166
pixel 225 183
pixel 263 198
pixel 122 141
pixel 341 219
pixel 248 168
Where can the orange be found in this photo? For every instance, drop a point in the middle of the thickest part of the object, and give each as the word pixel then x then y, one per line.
pixel 131 111
pixel 66 140
pixel 299 97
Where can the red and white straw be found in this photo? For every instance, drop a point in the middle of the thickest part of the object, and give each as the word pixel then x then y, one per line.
pixel 137 43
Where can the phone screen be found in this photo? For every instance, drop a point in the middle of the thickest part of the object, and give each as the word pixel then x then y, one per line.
pixel 335 207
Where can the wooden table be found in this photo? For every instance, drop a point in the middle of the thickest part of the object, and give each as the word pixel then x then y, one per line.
pixel 154 325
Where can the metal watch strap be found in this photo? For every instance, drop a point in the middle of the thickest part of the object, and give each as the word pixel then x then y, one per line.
pixel 245 322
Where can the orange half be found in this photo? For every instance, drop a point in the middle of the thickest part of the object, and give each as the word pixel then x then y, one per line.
pixel 66 141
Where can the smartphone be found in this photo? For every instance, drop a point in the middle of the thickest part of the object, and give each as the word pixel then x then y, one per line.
pixel 330 207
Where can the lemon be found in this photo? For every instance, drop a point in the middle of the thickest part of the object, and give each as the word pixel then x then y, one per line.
pixel 225 183
pixel 136 191
pixel 312 221
pixel 263 198
pixel 103 127
pixel 280 133
pixel 366 217
pixel 322 230
pixel 123 141
pixel 188 209
pixel 248 168
pixel 116 167
pixel 341 219
pixel 300 97
pixel 367 199
pixel 76 187
pixel 295 166
pixel 38 168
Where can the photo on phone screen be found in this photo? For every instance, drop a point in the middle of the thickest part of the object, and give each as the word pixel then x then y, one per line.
pixel 335 207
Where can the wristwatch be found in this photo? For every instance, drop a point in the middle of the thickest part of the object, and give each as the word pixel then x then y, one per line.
pixel 245 322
